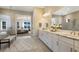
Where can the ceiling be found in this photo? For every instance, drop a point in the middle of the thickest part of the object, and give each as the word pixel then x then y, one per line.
pixel 67 10
pixel 30 8
pixel 51 9
pixel 56 10
pixel 20 8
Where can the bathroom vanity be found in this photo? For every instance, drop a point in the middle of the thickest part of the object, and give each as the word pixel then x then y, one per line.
pixel 60 41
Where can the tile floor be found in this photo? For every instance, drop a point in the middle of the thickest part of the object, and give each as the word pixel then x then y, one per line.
pixel 25 43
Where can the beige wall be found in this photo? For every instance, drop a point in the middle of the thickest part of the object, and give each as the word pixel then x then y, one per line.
pixel 38 17
pixel 12 14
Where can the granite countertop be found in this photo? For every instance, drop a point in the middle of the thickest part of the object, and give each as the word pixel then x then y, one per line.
pixel 65 33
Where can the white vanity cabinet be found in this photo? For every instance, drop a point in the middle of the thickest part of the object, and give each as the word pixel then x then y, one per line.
pixel 51 40
pixel 65 47
pixel 65 44
pixel 44 37
pixel 59 43
pixel 41 35
pixel 54 42
pixel 76 42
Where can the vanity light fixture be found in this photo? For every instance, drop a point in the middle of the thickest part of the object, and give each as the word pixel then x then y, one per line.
pixel 67 20
pixel 47 14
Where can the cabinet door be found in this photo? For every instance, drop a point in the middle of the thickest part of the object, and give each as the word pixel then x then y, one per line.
pixel 40 35
pixel 54 42
pixel 64 47
pixel 44 37
pixel 49 41
pixel 76 46
pixel 65 44
pixel 76 49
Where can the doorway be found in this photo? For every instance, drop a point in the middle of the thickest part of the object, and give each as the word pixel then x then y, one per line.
pixel 23 24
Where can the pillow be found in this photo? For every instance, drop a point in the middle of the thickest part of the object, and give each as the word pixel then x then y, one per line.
pixel 3 34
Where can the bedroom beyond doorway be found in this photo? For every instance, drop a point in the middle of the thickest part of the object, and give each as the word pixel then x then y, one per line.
pixel 23 24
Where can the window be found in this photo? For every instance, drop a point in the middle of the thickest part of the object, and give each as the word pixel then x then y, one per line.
pixel 3 25
pixel 17 24
pixel 27 25
pixel 25 22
